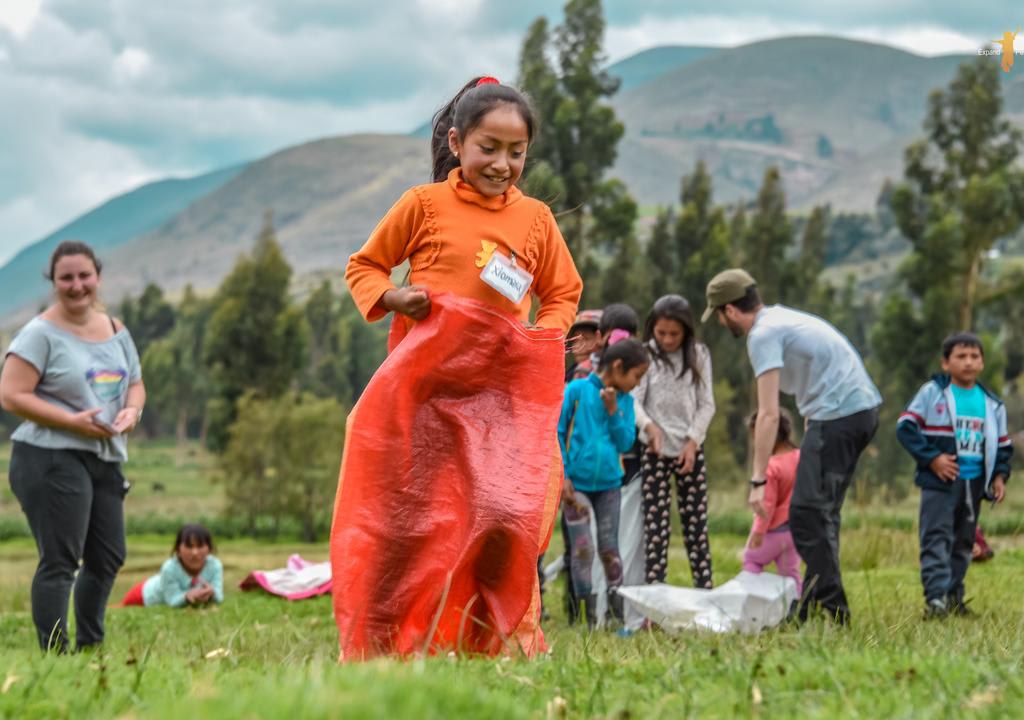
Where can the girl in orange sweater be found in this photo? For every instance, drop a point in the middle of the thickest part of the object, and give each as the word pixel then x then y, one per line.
pixel 468 509
pixel 450 230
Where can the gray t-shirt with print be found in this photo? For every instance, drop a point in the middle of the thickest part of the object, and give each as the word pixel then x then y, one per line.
pixel 77 374
pixel 817 364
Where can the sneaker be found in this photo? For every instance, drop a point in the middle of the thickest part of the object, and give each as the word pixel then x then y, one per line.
pixel 935 609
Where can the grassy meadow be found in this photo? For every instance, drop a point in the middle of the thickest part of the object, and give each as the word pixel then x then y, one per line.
pixel 258 656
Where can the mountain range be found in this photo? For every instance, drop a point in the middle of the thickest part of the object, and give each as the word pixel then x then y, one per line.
pixel 833 114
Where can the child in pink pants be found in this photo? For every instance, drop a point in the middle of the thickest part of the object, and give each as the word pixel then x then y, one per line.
pixel 770 540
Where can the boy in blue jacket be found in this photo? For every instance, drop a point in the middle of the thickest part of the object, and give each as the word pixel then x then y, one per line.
pixel 955 429
pixel 596 426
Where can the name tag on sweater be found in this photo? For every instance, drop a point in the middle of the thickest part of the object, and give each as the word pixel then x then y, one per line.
pixel 507 278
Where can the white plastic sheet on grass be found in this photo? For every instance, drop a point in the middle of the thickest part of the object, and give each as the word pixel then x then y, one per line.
pixel 748 603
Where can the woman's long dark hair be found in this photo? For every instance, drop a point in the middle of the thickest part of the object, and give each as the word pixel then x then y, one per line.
pixel 465 111
pixel 677 308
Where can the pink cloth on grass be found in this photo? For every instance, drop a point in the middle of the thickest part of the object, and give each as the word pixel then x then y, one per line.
pixel 777 548
pixel 298 580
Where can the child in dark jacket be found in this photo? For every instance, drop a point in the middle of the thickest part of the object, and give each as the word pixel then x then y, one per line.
pixel 596 426
pixel 955 429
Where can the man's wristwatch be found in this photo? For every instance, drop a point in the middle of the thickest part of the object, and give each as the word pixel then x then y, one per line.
pixel 755 482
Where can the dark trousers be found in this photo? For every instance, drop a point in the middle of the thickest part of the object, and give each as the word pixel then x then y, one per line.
pixel 605 505
pixel 692 496
pixel 74 503
pixel 947 523
pixel 828 458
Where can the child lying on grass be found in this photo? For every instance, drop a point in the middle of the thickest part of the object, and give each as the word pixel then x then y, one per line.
pixel 191 576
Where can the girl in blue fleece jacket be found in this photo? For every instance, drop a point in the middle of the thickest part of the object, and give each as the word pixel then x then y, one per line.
pixel 191 576
pixel 596 426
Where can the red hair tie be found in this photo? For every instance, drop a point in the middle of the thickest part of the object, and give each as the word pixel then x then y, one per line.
pixel 487 80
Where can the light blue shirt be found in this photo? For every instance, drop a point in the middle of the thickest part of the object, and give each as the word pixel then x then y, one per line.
pixel 969 430
pixel 76 375
pixel 816 363
pixel 169 586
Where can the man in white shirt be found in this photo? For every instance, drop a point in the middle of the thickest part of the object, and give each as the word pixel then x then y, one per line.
pixel 802 355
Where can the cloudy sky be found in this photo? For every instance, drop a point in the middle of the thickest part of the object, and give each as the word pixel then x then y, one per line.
pixel 99 96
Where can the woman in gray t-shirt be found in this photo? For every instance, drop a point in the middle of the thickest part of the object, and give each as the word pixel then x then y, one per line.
pixel 72 373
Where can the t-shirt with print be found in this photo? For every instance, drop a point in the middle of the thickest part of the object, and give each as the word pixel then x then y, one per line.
pixel 970 431
pixel 816 363
pixel 77 374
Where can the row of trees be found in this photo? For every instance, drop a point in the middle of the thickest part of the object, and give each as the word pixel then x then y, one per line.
pixel 264 381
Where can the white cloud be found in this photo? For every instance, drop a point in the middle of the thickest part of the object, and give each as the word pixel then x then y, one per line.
pixel 730 31
pixel 928 41
pixel 18 15
pixel 131 64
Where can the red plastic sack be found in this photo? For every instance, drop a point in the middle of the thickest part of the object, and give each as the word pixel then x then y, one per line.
pixel 449 485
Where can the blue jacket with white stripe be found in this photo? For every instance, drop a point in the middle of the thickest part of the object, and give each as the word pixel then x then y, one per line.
pixel 925 429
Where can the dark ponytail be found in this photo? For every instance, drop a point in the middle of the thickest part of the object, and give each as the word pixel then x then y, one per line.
pixel 677 308
pixel 465 111
pixel 630 351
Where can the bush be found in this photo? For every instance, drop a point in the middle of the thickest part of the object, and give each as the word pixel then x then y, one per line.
pixel 281 461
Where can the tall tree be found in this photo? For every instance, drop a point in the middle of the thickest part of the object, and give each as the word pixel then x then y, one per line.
pixel 963 185
pixel 537 77
pixel 149 318
pixel 585 125
pixel 579 131
pixel 661 256
pixel 255 339
pixel 176 379
pixel 327 369
pixel 768 237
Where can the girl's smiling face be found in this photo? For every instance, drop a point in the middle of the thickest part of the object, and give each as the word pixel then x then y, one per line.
pixel 192 555
pixel 493 153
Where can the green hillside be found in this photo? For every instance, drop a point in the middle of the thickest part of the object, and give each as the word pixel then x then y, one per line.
pixel 111 224
pixel 326 197
pixel 650 64
pixel 833 114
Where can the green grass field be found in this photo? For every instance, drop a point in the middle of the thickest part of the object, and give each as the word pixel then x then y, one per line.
pixel 257 656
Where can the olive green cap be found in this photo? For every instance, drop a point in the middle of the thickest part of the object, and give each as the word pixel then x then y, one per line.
pixel 726 287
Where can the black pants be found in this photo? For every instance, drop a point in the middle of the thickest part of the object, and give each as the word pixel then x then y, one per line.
pixel 74 503
pixel 947 522
pixel 828 458
pixel 692 496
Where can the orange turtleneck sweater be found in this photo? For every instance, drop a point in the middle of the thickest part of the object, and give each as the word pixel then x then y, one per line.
pixel 447 231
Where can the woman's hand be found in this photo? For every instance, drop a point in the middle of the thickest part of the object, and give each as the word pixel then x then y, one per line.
pixel 411 301
pixel 84 423
pixel 687 458
pixel 654 437
pixel 127 420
